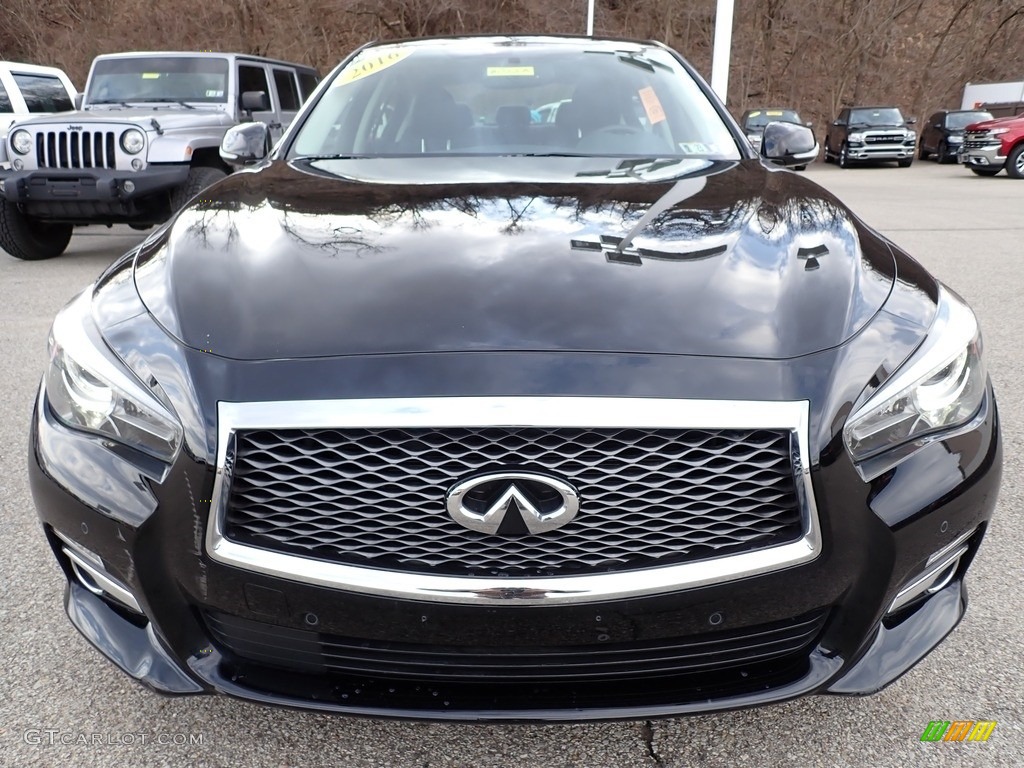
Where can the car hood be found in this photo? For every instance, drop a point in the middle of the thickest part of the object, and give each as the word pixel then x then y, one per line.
pixel 995 122
pixel 342 257
pixel 168 117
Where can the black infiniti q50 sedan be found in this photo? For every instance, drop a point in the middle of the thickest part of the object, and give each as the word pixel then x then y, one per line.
pixel 445 411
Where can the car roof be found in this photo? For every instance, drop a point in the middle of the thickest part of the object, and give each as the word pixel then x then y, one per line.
pixel 602 43
pixel 31 68
pixel 203 54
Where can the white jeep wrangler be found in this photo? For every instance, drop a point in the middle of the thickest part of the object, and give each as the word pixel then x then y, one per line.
pixel 144 142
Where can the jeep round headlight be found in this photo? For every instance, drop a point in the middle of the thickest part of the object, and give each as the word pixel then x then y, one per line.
pixel 132 141
pixel 21 142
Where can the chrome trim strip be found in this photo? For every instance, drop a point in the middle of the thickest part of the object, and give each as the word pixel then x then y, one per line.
pixel 595 412
pixel 934 577
pixel 102 584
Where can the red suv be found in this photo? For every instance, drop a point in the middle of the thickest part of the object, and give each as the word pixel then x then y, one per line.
pixel 991 145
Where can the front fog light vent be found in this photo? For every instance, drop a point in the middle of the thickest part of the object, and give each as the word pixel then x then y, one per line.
pixel 91 574
pixel 938 572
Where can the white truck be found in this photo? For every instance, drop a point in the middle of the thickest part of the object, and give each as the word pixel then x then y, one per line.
pixel 978 94
pixel 145 141
pixel 27 90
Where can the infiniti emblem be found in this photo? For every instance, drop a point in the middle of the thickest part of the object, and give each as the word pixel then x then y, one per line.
pixel 512 503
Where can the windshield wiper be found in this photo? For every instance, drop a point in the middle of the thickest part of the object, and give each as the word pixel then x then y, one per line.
pixel 171 101
pixel 124 104
pixel 636 59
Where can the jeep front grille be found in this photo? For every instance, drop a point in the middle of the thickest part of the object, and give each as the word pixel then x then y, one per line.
pixel 75 149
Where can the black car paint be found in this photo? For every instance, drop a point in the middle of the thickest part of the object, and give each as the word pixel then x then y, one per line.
pixel 935 135
pixel 220 319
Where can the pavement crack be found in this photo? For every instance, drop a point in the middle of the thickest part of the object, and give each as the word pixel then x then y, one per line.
pixel 647 734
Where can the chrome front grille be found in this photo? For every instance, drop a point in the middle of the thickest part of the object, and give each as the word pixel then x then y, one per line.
pixel 76 149
pixel 350 494
pixel 883 138
pixel 649 497
pixel 979 140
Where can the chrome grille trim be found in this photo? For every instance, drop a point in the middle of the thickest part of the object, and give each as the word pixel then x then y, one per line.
pixel 582 412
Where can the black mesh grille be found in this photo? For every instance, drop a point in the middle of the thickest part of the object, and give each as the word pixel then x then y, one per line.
pixel 376 497
pixel 309 651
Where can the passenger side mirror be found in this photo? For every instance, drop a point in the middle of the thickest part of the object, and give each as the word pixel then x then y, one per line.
pixel 245 144
pixel 788 144
pixel 255 101
pixel 77 101
pixel 912 121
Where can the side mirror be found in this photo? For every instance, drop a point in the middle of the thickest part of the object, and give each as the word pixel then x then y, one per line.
pixel 788 144
pixel 912 121
pixel 838 122
pixel 255 101
pixel 77 101
pixel 245 144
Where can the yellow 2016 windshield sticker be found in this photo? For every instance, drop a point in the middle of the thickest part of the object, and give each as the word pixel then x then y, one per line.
pixel 371 64
pixel 510 71
pixel 150 75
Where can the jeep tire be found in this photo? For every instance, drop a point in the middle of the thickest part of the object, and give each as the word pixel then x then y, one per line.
pixel 31 239
pixel 199 178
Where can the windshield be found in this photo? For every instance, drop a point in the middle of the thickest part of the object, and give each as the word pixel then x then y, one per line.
pixel 158 78
pixel 514 98
pixel 760 118
pixel 884 116
pixel 957 121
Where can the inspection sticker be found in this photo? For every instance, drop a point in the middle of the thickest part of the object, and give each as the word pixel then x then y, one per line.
pixel 371 64
pixel 652 106
pixel 510 71
pixel 150 75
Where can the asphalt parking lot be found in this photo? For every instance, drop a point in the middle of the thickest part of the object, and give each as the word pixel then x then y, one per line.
pixel 54 688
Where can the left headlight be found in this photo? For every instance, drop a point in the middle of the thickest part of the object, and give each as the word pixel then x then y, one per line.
pixel 89 389
pixel 132 141
pixel 939 388
pixel 21 142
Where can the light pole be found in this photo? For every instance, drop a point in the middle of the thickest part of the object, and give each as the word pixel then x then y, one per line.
pixel 723 48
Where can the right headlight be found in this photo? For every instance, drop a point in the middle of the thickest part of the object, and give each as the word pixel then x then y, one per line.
pixel 132 141
pixel 90 390
pixel 939 388
pixel 21 142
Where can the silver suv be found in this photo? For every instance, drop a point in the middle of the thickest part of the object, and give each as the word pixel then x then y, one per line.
pixel 143 143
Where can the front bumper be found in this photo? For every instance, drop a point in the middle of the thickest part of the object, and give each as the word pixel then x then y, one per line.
pixel 883 152
pixel 94 194
pixel 986 157
pixel 209 627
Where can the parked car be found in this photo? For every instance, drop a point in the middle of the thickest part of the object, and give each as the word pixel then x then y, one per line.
pixel 943 133
pixel 145 141
pixel 992 145
pixel 441 412
pixel 28 89
pixel 870 133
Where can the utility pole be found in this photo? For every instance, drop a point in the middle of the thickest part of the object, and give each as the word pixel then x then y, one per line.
pixel 723 48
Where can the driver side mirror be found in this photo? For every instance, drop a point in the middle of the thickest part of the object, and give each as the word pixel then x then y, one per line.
pixel 245 144
pixel 788 144
pixel 77 101
pixel 912 121
pixel 254 101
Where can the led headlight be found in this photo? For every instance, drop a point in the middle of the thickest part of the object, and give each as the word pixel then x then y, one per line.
pixel 89 389
pixel 132 141
pixel 21 142
pixel 998 131
pixel 857 137
pixel 939 388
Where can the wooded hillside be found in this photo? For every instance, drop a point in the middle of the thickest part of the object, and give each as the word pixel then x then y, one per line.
pixel 812 55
